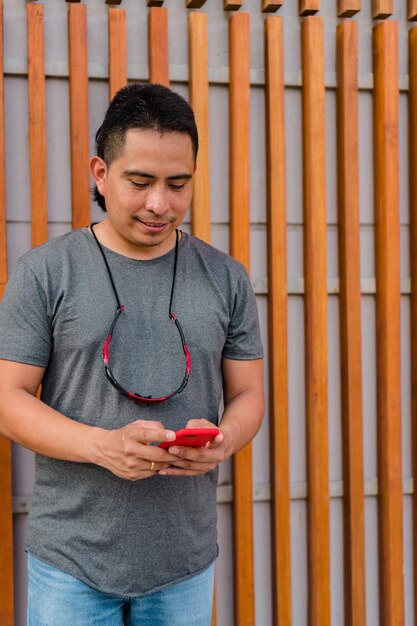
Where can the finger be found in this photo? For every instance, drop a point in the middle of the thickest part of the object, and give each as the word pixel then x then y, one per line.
pixel 153 434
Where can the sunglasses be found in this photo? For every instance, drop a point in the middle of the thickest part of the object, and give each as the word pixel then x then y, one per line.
pixel 137 397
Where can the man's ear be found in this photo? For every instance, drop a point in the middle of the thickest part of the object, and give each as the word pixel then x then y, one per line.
pixel 98 170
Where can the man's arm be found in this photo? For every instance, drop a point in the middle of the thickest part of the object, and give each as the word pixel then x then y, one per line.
pixel 38 427
pixel 243 392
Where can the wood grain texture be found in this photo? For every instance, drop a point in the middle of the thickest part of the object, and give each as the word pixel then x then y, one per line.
pixel 239 248
pixel 347 8
pixel 277 309
pixel 412 149
pixel 6 520
pixel 117 50
pixel 199 100
pixel 386 184
pixel 350 322
pixel 309 7
pixel 381 9
pixel 158 46
pixel 270 6
pixel 315 307
pixel 412 10
pixel 37 123
pixel 78 93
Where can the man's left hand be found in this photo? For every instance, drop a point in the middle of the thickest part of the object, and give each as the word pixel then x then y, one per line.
pixel 195 461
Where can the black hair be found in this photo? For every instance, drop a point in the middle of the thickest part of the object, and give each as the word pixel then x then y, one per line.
pixel 146 107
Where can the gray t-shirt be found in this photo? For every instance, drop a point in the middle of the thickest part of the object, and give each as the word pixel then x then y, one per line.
pixel 124 537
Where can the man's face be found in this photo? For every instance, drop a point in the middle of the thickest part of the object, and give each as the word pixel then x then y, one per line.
pixel 148 189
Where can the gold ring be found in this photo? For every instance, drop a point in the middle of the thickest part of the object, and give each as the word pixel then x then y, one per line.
pixel 152 465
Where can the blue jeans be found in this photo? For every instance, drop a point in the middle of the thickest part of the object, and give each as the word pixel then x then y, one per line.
pixel 58 599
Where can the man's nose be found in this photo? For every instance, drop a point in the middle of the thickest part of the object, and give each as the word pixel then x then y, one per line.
pixel 157 199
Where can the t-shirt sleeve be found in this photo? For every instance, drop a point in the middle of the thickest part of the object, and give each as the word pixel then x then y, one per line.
pixel 243 337
pixel 25 328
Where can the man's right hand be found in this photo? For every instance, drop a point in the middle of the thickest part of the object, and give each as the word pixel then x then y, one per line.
pixel 127 453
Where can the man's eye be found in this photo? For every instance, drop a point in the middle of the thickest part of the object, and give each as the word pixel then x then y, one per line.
pixel 177 187
pixel 139 185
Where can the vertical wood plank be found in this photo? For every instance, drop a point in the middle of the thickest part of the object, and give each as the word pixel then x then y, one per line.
pixel 277 307
pixel 199 99
pixel 316 320
pixel 239 248
pixel 412 144
pixel 194 4
pixel 270 6
pixel 386 181
pixel 6 520
pixel 347 8
pixel 37 123
pixel 381 9
pixel 117 51
pixel 3 226
pixel 232 5
pixel 78 94
pixel 350 322
pixel 158 46
pixel 309 7
pixel 412 10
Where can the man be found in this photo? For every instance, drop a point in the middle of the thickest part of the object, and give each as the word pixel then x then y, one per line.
pixel 121 529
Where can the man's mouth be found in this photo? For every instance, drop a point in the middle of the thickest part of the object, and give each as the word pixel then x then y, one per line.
pixel 154 226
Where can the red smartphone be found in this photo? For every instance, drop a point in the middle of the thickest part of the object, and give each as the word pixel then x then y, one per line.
pixel 192 437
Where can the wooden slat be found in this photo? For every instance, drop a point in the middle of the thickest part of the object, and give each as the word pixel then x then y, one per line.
pixel 239 248
pixel 117 51
pixel 199 99
pixel 194 4
pixel 158 46
pixel 6 520
pixel 386 180
pixel 270 6
pixel 347 8
pixel 78 93
pixel 232 5
pixel 37 123
pixel 412 149
pixel 277 307
pixel 350 322
pixel 381 9
pixel 412 10
pixel 316 320
pixel 114 2
pixel 3 233
pixel 309 7
pixel 155 3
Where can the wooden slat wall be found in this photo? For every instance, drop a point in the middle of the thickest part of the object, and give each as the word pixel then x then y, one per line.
pixel 316 320
pixel 277 309
pixel 78 92
pixel 37 123
pixel 199 100
pixel 412 10
pixel 386 181
pixel 381 9
pixel 6 520
pixel 158 46
pixel 309 7
pixel 347 8
pixel 350 322
pixel 117 50
pixel 412 114
pixel 239 248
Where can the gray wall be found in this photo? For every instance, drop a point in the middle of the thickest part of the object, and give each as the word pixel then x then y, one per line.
pixel 59 211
